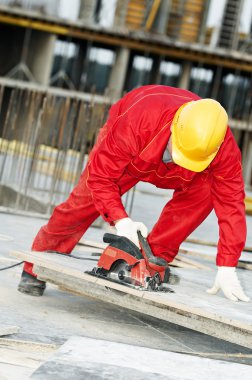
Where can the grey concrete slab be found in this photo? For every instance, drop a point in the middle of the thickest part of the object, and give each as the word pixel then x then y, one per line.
pixel 91 371
pixel 58 315
pixel 81 358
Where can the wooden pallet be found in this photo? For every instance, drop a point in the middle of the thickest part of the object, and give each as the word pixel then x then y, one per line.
pixel 190 306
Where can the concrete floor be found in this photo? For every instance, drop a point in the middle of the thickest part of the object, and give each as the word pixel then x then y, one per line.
pixel 111 360
pixel 58 315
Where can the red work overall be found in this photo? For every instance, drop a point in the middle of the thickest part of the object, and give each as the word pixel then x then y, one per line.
pixel 130 149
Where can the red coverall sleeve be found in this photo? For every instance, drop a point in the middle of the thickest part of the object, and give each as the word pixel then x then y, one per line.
pixel 108 164
pixel 228 200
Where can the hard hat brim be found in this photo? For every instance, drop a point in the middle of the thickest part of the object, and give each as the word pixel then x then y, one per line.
pixel 195 166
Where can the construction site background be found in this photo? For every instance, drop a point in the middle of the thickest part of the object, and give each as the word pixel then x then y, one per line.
pixel 64 63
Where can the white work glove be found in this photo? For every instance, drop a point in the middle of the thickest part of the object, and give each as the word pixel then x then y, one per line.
pixel 128 228
pixel 227 281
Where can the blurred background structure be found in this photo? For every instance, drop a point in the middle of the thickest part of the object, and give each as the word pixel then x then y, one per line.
pixel 62 63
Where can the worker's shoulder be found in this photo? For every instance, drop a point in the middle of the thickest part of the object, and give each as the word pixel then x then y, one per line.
pixel 150 100
pixel 156 96
pixel 154 89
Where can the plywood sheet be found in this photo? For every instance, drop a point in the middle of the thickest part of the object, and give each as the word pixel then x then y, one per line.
pixel 8 330
pixel 189 306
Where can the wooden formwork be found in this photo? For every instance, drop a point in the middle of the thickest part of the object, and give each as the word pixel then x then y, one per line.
pixel 185 20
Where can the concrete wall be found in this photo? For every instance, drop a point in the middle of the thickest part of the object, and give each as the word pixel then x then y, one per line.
pixel 118 73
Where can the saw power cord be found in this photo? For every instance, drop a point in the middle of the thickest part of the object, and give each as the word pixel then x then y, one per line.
pixel 58 253
pixel 11 266
pixel 72 256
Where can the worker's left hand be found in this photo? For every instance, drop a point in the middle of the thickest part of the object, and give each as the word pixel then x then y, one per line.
pixel 128 228
pixel 227 281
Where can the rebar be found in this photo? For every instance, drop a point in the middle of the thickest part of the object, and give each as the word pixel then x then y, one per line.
pixel 44 145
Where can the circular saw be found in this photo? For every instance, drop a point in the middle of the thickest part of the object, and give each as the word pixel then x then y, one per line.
pixel 123 262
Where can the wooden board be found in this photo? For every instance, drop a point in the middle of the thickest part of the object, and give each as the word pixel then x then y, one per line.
pixel 209 254
pixel 248 205
pixel 190 306
pixel 192 263
pixel 211 243
pixel 20 358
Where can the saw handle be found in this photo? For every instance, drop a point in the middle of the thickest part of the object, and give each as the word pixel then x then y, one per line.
pixel 148 252
pixel 123 244
pixel 111 238
pixel 145 245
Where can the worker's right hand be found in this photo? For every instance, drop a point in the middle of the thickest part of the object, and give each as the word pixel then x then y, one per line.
pixel 128 228
pixel 227 281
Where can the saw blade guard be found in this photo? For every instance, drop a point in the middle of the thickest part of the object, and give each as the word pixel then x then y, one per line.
pixel 121 272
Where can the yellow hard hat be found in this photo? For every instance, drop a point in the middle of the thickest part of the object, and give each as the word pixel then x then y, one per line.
pixel 198 130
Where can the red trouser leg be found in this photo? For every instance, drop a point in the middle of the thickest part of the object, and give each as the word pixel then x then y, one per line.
pixel 71 219
pixel 180 217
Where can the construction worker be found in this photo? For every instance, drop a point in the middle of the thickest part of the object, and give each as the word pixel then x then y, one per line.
pixel 175 140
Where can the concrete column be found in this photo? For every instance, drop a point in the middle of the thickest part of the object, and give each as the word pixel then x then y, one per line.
pixel 161 21
pixel 185 76
pixel 237 135
pixel 87 11
pixel 118 73
pixel 40 56
pixel 155 71
pixel 216 82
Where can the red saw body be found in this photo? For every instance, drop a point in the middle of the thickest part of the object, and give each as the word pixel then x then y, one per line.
pixel 122 261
